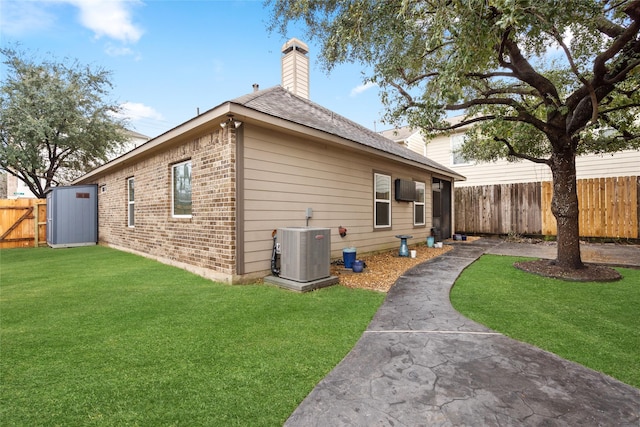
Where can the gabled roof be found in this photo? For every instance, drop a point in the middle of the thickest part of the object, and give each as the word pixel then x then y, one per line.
pixel 283 106
pixel 278 102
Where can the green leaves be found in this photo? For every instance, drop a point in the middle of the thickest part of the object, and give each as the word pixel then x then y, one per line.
pixel 54 120
pixel 532 65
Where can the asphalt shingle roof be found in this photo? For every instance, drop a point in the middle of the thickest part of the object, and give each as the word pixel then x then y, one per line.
pixel 398 134
pixel 278 102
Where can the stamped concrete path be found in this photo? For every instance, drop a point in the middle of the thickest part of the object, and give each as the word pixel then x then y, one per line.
pixel 421 363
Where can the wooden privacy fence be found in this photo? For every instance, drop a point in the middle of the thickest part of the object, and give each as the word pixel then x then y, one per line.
pixel 498 209
pixel 608 208
pixel 23 223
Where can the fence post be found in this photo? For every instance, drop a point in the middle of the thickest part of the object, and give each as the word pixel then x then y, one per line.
pixel 36 221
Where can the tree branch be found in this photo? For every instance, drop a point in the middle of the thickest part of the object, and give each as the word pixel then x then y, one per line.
pixel 522 116
pixel 608 28
pixel 599 64
pixel 574 68
pixel 490 75
pixel 516 90
pixel 465 122
pixel 416 79
pixel 402 92
pixel 524 72
pixel 514 153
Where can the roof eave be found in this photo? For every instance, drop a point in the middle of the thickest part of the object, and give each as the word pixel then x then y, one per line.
pixel 248 115
pixel 181 132
pixel 245 114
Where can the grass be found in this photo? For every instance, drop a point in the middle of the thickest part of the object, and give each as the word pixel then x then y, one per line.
pixel 594 324
pixel 96 337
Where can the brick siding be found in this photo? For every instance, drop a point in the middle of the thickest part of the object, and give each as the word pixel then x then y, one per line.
pixel 207 240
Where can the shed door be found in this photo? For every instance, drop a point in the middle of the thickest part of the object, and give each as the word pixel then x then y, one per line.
pixel 50 217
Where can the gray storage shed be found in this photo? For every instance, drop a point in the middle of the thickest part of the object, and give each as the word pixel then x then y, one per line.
pixel 72 216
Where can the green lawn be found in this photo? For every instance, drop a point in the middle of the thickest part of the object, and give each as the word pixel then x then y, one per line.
pixel 594 324
pixel 94 336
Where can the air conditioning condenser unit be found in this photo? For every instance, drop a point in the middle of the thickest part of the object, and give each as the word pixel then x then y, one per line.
pixel 305 253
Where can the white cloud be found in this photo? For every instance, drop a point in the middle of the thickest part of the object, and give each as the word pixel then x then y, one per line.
pixel 113 50
pixel 361 88
pixel 135 111
pixel 20 18
pixel 109 18
pixel 106 18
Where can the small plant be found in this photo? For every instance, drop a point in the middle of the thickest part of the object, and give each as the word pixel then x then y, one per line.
pixel 514 237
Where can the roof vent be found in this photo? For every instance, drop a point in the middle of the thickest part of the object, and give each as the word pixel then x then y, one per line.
pixel 256 87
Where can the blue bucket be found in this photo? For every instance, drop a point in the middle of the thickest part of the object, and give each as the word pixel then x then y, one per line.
pixel 430 241
pixel 348 255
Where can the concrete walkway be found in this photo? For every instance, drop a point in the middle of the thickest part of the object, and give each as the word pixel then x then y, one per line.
pixel 420 363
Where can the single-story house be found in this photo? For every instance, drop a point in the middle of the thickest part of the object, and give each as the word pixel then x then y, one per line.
pixel 207 195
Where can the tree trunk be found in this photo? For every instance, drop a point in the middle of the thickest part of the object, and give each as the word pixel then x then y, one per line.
pixel 564 207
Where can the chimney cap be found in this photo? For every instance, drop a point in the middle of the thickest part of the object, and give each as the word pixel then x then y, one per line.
pixel 295 44
pixel 256 87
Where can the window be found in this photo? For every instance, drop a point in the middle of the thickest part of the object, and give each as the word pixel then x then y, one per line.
pixel 130 203
pixel 418 205
pixel 181 190
pixel 382 196
pixel 457 141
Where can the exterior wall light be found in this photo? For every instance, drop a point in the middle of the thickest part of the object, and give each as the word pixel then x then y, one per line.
pixel 236 123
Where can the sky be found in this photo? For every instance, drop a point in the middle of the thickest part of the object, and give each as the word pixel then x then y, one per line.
pixel 172 58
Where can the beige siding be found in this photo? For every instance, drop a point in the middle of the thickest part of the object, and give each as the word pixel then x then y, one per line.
pixel 295 74
pixel 285 175
pixel 625 163
pixel 416 143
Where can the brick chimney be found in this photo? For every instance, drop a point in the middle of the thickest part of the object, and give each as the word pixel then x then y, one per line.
pixel 295 68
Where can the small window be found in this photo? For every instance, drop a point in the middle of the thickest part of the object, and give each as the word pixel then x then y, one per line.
pixel 418 205
pixel 457 159
pixel 382 197
pixel 130 203
pixel 181 190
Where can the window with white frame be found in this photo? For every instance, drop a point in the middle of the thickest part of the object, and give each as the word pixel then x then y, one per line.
pixel 418 205
pixel 457 141
pixel 382 200
pixel 181 190
pixel 130 203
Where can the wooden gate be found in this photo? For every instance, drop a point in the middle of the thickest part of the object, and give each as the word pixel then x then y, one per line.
pixel 23 223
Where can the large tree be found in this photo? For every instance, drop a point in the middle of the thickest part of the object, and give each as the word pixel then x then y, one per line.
pixel 55 123
pixel 543 81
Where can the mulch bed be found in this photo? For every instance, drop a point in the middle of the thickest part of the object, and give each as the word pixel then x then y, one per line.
pixel 590 272
pixel 383 269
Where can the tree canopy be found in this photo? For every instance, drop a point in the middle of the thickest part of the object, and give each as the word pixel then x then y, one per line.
pixel 55 122
pixel 516 64
pixel 543 81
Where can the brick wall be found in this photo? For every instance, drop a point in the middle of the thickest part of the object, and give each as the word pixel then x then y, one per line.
pixel 207 241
